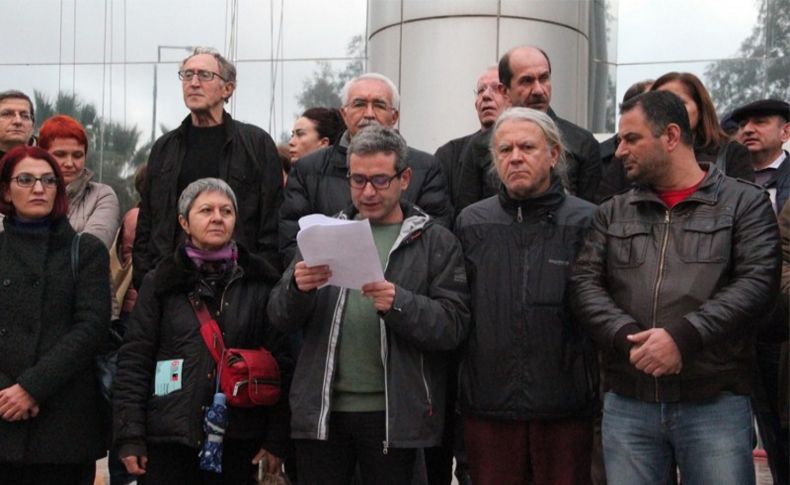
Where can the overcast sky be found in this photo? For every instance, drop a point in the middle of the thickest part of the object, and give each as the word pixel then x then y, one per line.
pixel 42 33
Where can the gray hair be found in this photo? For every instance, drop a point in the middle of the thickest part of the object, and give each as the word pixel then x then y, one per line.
pixel 226 69
pixel 546 125
pixel 187 198
pixel 374 139
pixel 374 76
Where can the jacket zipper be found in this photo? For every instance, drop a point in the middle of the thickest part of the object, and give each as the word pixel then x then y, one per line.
pixel 425 383
pixel 519 216
pixel 659 278
pixel 322 431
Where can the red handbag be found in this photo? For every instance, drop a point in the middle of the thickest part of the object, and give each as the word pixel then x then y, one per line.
pixel 247 377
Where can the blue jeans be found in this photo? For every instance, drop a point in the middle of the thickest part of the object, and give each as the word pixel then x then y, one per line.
pixel 711 441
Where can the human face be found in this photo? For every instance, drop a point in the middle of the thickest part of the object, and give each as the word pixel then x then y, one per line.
pixel 211 221
pixel 369 102
pixel 304 139
pixel 681 91
pixel 530 85
pixel 489 100
pixel 524 158
pixel 70 155
pixel 764 135
pixel 16 123
pixel 205 96
pixel 36 202
pixel 380 206
pixel 644 156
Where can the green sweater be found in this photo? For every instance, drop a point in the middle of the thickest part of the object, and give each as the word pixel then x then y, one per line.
pixel 359 381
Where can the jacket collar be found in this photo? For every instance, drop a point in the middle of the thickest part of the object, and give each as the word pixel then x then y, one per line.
pixel 414 221
pixel 227 123
pixel 542 203
pixel 706 193
pixel 178 274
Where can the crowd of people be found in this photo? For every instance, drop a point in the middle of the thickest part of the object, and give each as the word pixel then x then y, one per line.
pixel 553 310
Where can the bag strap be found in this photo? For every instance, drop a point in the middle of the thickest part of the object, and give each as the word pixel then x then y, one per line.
pixel 208 328
pixel 75 256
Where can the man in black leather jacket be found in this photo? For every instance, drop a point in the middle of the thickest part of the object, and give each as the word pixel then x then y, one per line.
pixel 671 280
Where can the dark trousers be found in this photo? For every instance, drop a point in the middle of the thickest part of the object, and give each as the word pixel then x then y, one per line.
pixel 169 464
pixel 354 438
pixel 766 411
pixel 42 474
pixel 558 452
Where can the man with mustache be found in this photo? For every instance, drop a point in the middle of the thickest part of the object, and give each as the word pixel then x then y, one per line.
pixel 16 120
pixel 763 127
pixel 525 76
pixel 668 282
pixel 319 182
pixel 489 103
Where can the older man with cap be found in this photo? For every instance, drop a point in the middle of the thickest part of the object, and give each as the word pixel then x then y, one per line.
pixel 16 120
pixel 763 127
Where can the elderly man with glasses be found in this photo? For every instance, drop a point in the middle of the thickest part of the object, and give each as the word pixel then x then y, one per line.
pixel 16 120
pixel 370 383
pixel 209 143
pixel 318 184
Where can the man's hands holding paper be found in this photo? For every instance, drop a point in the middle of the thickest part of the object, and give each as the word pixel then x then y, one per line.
pixel 309 278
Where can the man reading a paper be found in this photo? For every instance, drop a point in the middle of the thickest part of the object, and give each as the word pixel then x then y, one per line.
pixel 369 385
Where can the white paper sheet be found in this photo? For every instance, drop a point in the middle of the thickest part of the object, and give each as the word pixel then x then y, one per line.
pixel 346 246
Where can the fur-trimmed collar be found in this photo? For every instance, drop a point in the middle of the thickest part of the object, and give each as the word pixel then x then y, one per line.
pixel 178 274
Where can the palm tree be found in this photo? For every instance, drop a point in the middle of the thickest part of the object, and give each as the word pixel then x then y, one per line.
pixel 113 155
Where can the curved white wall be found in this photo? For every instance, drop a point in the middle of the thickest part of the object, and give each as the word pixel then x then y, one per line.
pixel 435 50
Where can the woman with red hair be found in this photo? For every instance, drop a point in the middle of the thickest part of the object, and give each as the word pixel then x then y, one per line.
pixel 93 207
pixel 54 314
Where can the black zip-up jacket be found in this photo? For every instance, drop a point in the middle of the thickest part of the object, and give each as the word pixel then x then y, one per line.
pixel 164 327
pixel 318 183
pixel 526 357
pixel 705 271
pixel 249 164
pixel 430 315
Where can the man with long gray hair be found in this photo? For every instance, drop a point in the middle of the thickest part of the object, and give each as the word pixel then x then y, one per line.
pixel 528 376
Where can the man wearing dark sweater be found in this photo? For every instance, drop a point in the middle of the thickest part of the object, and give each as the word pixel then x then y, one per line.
pixel 209 143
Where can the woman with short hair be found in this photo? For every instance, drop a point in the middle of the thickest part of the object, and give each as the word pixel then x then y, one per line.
pixel 158 419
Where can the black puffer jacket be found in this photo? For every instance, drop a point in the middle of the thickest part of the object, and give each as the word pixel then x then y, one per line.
pixel 51 328
pixel 318 184
pixel 705 271
pixel 164 327
pixel 249 164
pixel 526 357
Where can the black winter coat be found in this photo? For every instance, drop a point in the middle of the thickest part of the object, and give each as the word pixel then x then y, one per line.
pixel 51 328
pixel 318 183
pixel 526 356
pixel 163 326
pixel 249 164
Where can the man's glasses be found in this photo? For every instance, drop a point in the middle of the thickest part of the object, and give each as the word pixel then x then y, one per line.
pixel 494 87
pixel 28 180
pixel 203 76
pixel 379 182
pixel 10 115
pixel 378 105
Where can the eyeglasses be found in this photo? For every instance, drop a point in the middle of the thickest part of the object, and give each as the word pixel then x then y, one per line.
pixel 494 87
pixel 10 115
pixel 28 180
pixel 378 105
pixel 379 182
pixel 203 76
